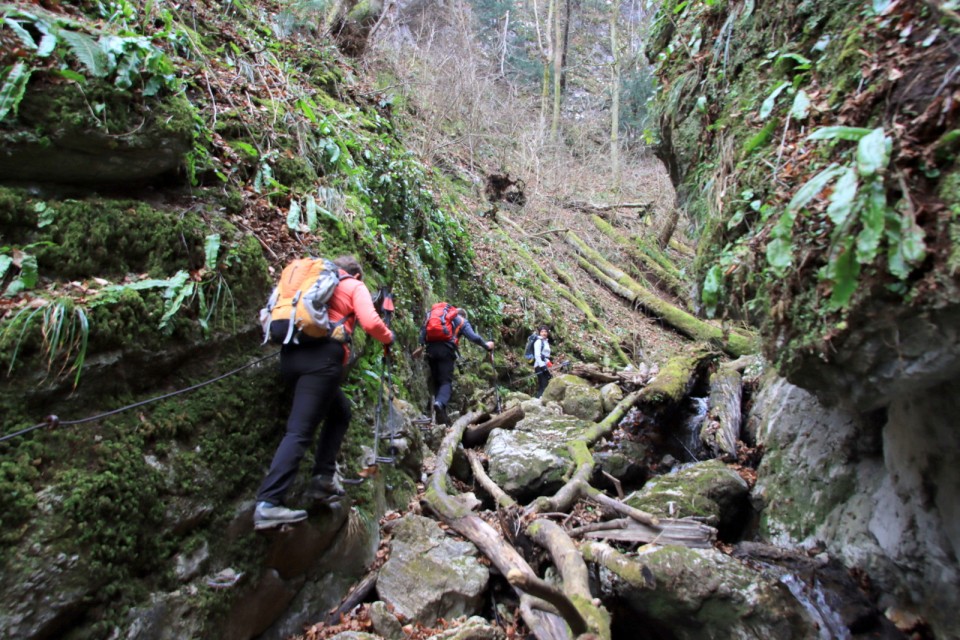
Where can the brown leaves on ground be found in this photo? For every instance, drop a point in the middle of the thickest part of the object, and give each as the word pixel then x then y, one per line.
pixel 359 621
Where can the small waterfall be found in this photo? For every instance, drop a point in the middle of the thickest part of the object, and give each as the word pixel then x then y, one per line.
pixel 687 434
pixel 813 599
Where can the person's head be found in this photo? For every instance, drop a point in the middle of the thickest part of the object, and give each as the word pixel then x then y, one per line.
pixel 350 265
pixel 462 313
pixel 543 332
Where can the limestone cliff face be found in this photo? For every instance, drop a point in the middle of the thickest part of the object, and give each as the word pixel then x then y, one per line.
pixel 812 144
pixel 877 490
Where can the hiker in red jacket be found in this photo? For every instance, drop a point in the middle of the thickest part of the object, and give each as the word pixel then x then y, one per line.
pixel 441 334
pixel 314 368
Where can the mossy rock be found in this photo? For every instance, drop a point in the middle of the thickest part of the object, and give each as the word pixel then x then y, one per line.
pixel 708 490
pixel 81 238
pixel 57 139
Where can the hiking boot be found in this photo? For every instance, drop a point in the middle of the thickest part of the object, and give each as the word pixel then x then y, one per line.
pixel 268 516
pixel 441 413
pixel 324 487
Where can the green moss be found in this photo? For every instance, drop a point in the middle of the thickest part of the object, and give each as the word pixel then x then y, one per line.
pixel 296 173
pixel 798 508
pixel 103 237
pixel 762 138
pixel 62 110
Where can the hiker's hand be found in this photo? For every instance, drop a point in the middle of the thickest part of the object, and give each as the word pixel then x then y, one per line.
pixel 417 353
pixel 490 345
pixel 386 350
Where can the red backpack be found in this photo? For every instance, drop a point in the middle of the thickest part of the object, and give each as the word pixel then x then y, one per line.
pixel 439 323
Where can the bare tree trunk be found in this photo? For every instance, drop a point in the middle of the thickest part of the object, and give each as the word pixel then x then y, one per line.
pixel 557 71
pixel 667 231
pixel 615 98
pixel 565 49
pixel 477 434
pixel 503 41
pixel 546 51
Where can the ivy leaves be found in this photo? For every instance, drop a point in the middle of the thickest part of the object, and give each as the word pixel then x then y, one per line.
pixel 858 215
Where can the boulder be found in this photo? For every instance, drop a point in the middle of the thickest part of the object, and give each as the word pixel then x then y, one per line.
pixel 709 490
pixel 701 594
pixel 531 459
pixel 876 490
pixel 474 628
pixel 626 462
pixel 385 623
pixel 610 396
pixel 430 575
pixel 577 397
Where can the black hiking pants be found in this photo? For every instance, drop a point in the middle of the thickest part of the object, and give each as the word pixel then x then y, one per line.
pixel 442 357
pixel 543 379
pixel 314 370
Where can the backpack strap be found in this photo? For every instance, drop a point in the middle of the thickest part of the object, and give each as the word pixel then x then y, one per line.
pixel 293 317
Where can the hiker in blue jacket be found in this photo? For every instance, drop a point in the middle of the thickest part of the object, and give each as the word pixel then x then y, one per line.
pixel 541 360
pixel 442 354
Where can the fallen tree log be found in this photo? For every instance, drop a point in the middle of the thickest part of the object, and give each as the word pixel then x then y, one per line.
pixel 455 511
pixel 573 572
pixel 487 484
pixel 721 425
pixel 593 373
pixel 632 378
pixel 590 207
pixel 673 383
pixel 680 531
pixel 570 294
pixel 606 426
pixel 667 279
pixel 476 434
pixel 357 595
pixel 734 343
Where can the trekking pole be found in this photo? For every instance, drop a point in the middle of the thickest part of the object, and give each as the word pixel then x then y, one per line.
pixel 385 378
pixel 496 386
pixel 559 366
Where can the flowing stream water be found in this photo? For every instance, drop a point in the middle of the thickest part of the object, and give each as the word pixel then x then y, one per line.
pixel 687 434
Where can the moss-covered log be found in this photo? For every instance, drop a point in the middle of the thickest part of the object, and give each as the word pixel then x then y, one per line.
pixel 734 343
pixel 660 276
pixel 455 511
pixel 672 383
pixel 570 294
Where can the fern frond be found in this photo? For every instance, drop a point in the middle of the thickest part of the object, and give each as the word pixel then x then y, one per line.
pixel 88 52
pixel 14 86
pixel 25 36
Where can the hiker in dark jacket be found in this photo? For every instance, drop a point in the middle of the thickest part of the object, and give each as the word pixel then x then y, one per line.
pixel 442 357
pixel 314 368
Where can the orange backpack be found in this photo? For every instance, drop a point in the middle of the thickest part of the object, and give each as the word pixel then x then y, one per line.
pixel 298 305
pixel 439 324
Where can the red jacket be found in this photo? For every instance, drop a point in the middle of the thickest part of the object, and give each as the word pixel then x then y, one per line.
pixel 352 297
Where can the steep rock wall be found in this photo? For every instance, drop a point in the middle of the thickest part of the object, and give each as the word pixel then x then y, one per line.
pixel 813 146
pixel 877 490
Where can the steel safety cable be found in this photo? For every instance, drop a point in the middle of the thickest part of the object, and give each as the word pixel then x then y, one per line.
pixel 54 421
